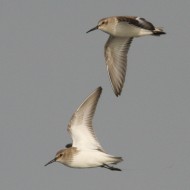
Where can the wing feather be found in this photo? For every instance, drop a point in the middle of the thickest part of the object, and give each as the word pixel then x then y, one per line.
pixel 115 51
pixel 137 22
pixel 80 125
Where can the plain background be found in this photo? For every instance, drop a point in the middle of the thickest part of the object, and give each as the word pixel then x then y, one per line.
pixel 49 65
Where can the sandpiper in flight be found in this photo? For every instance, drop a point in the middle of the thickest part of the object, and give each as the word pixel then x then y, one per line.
pixel 122 30
pixel 85 151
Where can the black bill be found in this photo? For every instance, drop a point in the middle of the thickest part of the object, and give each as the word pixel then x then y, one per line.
pixel 54 160
pixel 95 28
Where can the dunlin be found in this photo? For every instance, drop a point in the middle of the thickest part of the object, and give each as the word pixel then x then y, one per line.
pixel 122 30
pixel 85 150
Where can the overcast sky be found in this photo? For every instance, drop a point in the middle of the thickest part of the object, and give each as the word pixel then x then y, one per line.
pixel 49 65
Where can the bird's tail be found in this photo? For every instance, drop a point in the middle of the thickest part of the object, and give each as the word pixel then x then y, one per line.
pixel 158 31
pixel 115 160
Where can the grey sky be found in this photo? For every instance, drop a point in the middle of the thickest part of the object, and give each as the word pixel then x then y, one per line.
pixel 48 65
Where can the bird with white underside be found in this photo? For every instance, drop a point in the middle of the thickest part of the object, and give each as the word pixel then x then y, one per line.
pixel 122 30
pixel 85 150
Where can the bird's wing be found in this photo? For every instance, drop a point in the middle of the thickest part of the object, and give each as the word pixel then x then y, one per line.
pixel 115 51
pixel 80 125
pixel 135 21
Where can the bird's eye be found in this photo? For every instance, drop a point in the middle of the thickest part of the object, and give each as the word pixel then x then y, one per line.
pixel 103 22
pixel 60 155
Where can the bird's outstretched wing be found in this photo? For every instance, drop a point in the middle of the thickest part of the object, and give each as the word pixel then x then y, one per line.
pixel 115 51
pixel 80 125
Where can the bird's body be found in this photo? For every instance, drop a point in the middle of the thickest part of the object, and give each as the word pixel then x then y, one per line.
pixel 85 151
pixel 79 158
pixel 128 26
pixel 122 30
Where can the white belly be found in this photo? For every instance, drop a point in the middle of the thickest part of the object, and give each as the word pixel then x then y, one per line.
pixel 89 159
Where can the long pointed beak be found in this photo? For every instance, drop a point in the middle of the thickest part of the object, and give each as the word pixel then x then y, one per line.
pixel 54 160
pixel 95 28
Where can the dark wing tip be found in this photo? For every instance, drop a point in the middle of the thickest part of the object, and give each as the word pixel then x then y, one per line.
pixel 118 93
pixel 99 89
pixel 158 33
pixel 98 92
pixel 117 88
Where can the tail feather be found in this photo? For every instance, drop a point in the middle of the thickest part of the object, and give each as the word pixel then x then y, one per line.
pixel 116 160
pixel 158 32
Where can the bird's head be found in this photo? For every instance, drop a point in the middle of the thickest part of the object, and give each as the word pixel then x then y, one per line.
pixel 58 157
pixel 104 24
